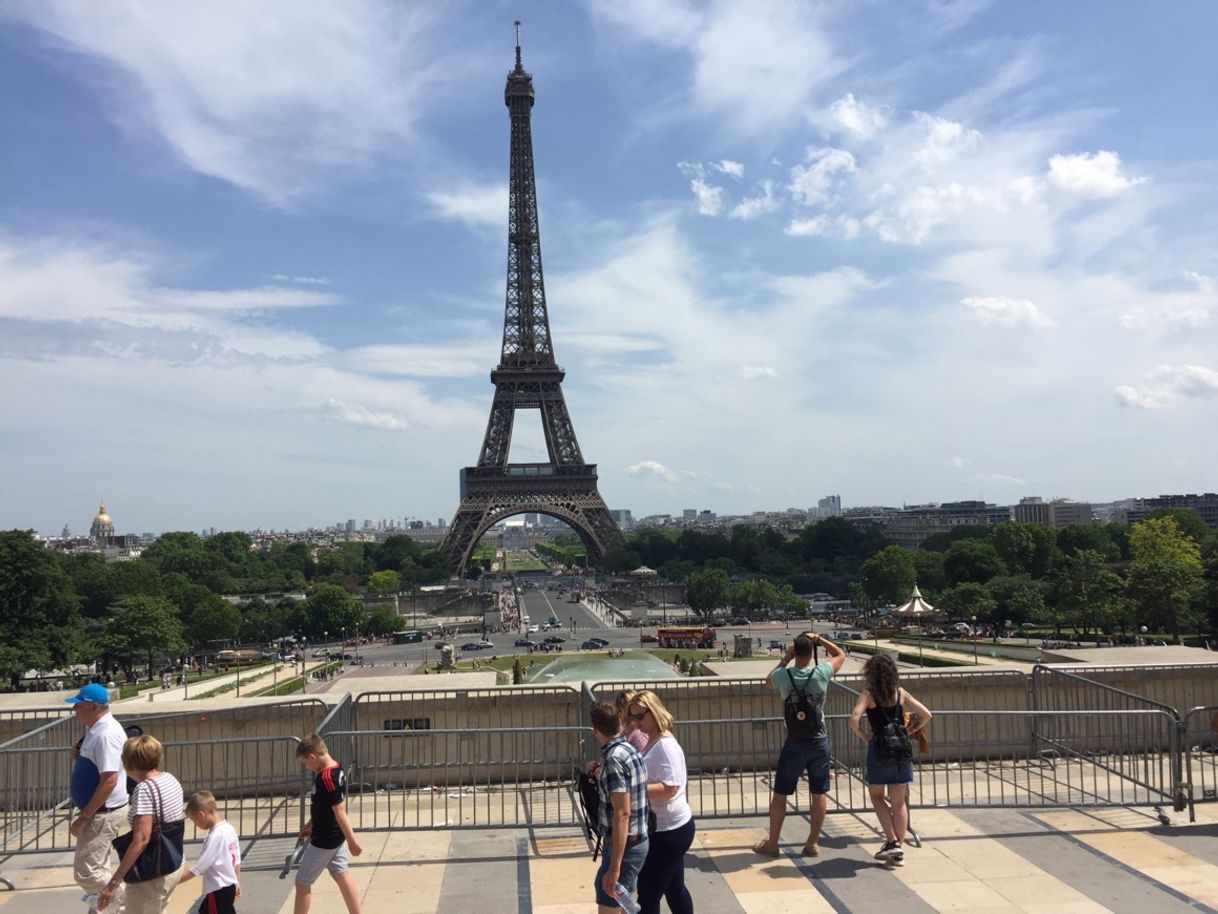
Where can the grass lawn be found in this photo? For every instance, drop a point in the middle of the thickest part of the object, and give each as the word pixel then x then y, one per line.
pixel 523 560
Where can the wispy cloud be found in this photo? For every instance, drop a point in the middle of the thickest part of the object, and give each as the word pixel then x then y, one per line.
pixel 1168 386
pixel 1091 174
pixel 1007 312
pixel 477 206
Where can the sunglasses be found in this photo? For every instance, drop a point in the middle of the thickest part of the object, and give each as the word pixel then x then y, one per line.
pixel 638 716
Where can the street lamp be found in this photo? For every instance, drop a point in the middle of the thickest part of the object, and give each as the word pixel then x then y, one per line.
pixel 974 634
pixel 1143 635
pixel 185 681
pixel 274 665
pixel 326 636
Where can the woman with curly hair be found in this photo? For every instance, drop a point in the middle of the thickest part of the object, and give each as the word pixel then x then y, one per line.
pixel 889 775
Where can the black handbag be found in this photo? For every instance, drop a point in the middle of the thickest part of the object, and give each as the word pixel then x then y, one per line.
pixel 163 854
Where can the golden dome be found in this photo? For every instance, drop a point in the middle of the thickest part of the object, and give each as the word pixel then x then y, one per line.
pixel 102 516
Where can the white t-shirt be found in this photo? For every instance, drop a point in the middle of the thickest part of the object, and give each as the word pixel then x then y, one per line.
pixel 219 859
pixel 665 761
pixel 103 746
pixel 144 800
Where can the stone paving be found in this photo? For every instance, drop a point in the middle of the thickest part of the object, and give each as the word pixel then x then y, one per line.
pixel 997 860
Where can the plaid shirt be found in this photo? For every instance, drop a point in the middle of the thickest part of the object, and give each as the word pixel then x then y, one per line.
pixel 622 771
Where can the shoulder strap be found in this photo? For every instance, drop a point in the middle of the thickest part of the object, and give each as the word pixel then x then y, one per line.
pixel 791 676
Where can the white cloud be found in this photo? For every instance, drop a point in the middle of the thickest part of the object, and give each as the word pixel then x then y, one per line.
pixel 477 206
pixel 351 414
pixel 758 204
pixel 1193 308
pixel 728 167
pixel 997 479
pixel 756 372
pixel 653 469
pixel 709 197
pixel 675 23
pixel 300 280
pixel 1167 386
pixel 817 225
pixel 943 140
pixel 810 184
pixel 1007 312
pixel 958 463
pixel 857 118
pixel 1091 175
pixel 281 99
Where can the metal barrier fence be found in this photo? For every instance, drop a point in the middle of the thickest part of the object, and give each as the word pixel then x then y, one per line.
pixel 1201 756
pixel 17 722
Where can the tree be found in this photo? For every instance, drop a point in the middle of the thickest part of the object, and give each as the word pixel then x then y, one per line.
pixel 383 620
pixel 888 577
pixel 39 621
pixel 968 601
pixel 1164 574
pixel 1187 520
pixel 931 576
pixel 1075 538
pixel 1018 599
pixel 971 561
pixel 210 618
pixel 329 608
pixel 1028 549
pixel 147 626
pixel 384 582
pixel 1088 594
pixel 707 590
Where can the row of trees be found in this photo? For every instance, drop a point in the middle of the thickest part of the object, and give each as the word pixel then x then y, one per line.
pixel 60 609
pixel 1161 573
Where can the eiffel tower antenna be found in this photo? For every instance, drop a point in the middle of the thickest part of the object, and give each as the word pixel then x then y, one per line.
pixel 527 377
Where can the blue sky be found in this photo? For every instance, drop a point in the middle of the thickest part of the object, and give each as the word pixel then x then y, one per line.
pixel 252 255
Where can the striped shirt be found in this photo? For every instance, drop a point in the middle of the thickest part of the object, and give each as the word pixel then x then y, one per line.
pixel 622 771
pixel 145 802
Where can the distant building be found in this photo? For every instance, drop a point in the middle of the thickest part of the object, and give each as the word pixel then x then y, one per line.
pixel 101 531
pixel 1059 512
pixel 689 515
pixel 912 526
pixel 706 517
pixel 1205 505
pixel 829 506
pixel 622 517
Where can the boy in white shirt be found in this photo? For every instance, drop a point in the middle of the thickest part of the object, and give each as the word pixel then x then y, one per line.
pixel 219 862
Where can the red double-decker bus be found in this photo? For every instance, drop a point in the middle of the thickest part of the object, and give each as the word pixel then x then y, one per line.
pixel 688 637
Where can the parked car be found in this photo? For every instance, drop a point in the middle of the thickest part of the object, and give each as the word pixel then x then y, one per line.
pixel 525 642
pixel 740 620
pixel 472 646
pixel 485 643
pixel 778 645
pixel 591 645
pixel 555 639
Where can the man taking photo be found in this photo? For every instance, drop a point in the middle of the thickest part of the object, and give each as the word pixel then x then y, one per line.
pixel 806 749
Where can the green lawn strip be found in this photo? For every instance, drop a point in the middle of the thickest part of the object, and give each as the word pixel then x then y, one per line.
pixel 261 671
pixel 130 691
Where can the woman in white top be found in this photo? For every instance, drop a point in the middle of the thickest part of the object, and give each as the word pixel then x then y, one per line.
pixel 157 797
pixel 663 873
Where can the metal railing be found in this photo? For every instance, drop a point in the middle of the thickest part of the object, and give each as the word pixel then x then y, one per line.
pixel 1200 756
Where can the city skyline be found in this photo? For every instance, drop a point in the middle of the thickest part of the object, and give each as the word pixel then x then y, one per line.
pixel 253 276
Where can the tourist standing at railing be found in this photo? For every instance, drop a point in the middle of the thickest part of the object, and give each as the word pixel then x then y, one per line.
pixel 98 787
pixel 889 763
pixel 806 749
pixel 663 873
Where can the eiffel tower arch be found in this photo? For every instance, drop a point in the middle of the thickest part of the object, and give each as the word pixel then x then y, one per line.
pixel 527 377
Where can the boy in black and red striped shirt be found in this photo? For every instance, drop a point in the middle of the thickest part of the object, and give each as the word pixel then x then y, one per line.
pixel 329 830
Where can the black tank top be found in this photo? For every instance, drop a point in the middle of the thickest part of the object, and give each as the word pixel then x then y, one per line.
pixel 877 717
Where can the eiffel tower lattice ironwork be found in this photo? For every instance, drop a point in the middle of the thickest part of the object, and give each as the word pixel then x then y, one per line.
pixel 527 378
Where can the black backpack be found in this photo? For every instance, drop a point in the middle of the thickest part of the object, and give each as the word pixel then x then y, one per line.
pixel 590 800
pixel 802 712
pixel 892 742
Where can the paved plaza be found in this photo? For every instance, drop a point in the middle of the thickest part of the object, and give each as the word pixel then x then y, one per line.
pixel 1034 861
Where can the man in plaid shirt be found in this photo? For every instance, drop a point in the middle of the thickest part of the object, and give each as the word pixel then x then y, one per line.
pixel 622 780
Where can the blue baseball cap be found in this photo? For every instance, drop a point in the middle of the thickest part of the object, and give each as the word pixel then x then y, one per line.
pixel 94 692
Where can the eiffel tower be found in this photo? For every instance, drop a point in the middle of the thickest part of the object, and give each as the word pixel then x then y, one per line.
pixel 527 378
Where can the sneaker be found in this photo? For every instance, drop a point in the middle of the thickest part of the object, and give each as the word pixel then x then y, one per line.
pixel 882 853
pixel 891 851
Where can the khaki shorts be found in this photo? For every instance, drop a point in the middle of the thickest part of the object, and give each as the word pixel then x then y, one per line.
pixel 315 859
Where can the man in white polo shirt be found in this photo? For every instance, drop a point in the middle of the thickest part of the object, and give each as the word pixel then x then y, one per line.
pixel 99 788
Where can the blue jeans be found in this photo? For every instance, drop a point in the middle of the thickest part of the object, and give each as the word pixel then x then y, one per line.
pixel 798 756
pixel 632 862
pixel 663 875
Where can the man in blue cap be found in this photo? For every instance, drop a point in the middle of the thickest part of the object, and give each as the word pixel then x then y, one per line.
pixel 99 789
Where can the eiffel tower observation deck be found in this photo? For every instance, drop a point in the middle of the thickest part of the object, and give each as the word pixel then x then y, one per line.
pixel 527 377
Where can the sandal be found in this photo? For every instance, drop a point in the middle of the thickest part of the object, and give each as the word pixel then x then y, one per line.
pixel 811 850
pixel 766 849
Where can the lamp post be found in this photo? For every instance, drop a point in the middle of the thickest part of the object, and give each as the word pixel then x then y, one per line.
pixel 1143 636
pixel 920 662
pixel 185 681
pixel 326 636
pixel 274 665
pixel 974 634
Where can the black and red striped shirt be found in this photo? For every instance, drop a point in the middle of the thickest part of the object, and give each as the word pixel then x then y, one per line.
pixel 329 789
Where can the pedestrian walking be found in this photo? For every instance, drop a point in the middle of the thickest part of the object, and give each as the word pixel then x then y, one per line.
pixel 889 752
pixel 806 749
pixel 155 814
pixel 663 873
pixel 622 813
pixel 98 789
pixel 329 830
pixel 219 862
